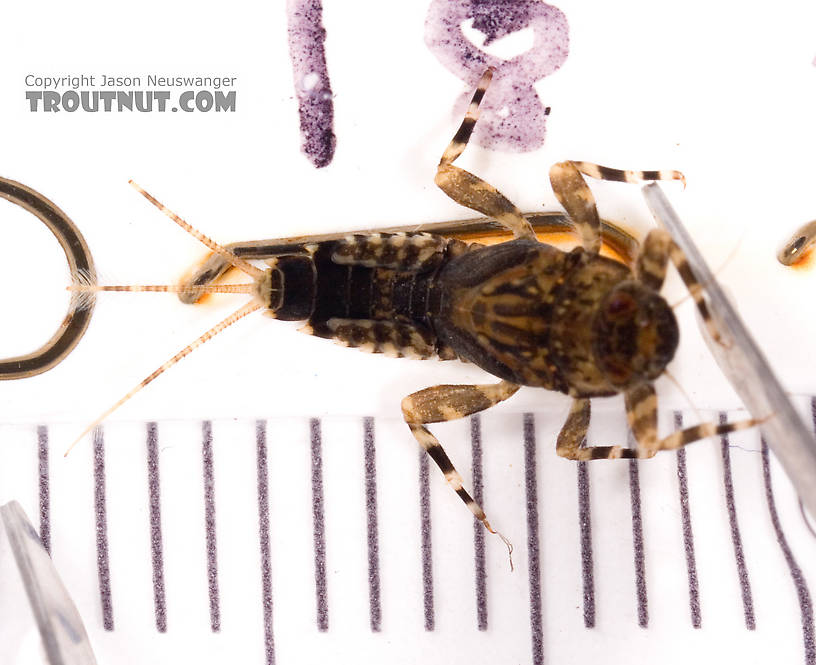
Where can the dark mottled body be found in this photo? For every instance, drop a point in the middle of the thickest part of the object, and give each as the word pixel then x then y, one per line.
pixel 522 310
pixel 366 292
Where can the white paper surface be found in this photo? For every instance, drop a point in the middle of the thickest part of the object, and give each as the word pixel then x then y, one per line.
pixel 723 93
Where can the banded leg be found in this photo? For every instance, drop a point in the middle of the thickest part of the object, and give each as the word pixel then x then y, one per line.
pixel 641 412
pixel 574 432
pixel 617 175
pixel 651 262
pixel 447 402
pixel 650 268
pixel 470 190
pixel 678 258
pixel 574 195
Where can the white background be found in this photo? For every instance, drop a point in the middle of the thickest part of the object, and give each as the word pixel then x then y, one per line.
pixel 724 92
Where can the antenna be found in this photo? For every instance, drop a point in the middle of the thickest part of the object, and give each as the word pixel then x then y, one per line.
pixel 186 351
pixel 255 289
pixel 236 261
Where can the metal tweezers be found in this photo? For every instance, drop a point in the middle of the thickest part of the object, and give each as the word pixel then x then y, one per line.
pixel 745 366
pixel 63 635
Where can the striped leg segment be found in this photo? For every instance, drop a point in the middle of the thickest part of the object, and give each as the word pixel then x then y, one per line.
pixel 605 173
pixel 460 140
pixel 641 412
pixel 650 269
pixel 678 258
pixel 574 433
pixel 470 190
pixel 449 402
pixel 704 431
pixel 574 195
pixel 650 266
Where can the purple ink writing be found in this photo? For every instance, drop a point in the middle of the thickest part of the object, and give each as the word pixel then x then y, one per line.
pixel 513 119
pixel 312 86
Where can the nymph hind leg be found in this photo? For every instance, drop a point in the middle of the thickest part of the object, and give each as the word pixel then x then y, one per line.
pixel 450 402
pixel 470 190
pixel 574 433
pixel 574 195
pixel 641 413
pixel 618 175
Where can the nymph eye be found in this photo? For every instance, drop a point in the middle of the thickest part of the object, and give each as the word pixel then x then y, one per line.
pixel 620 304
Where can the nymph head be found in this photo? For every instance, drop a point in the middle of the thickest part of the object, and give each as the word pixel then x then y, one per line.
pixel 635 335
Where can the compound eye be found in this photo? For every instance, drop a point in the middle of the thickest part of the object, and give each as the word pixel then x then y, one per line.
pixel 621 305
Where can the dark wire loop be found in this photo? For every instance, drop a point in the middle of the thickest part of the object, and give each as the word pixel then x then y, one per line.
pixel 80 262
